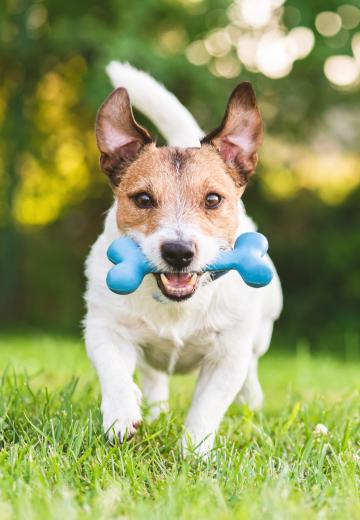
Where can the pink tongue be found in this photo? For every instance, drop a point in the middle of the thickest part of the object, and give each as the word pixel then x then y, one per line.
pixel 178 279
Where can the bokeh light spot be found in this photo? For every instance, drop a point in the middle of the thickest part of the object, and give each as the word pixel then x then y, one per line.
pixel 218 44
pixel 341 70
pixel 302 39
pixel 328 23
pixel 355 44
pixel 37 17
pixel 174 40
pixel 246 50
pixel 226 67
pixel 258 14
pixel 273 56
pixel 197 54
pixel 350 16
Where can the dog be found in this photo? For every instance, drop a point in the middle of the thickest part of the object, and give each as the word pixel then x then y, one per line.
pixel 182 204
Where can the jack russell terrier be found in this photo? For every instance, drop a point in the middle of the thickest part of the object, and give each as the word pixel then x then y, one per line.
pixel 182 204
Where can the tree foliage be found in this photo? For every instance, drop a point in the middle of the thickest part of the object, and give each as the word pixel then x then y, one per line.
pixel 305 197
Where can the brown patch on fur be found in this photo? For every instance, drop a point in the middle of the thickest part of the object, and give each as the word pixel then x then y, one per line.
pixel 178 181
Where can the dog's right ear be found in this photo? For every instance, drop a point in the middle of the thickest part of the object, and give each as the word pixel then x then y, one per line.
pixel 119 137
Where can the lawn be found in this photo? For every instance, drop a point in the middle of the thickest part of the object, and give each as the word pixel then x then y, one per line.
pixel 55 463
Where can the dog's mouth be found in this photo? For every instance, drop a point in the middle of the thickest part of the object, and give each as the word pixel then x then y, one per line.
pixel 178 286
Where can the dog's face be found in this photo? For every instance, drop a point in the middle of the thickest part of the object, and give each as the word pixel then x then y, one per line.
pixel 180 205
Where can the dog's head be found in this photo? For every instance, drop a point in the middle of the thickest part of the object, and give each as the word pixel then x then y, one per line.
pixel 179 204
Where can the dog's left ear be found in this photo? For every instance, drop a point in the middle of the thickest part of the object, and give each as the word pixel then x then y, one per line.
pixel 239 136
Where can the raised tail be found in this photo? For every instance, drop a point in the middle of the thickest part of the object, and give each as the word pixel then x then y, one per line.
pixel 173 120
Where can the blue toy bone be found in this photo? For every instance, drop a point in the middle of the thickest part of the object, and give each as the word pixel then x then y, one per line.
pixel 131 265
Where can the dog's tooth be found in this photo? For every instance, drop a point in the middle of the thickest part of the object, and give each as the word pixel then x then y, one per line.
pixel 193 279
pixel 179 291
pixel 164 279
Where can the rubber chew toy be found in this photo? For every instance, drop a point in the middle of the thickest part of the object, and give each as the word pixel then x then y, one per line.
pixel 247 258
pixel 131 266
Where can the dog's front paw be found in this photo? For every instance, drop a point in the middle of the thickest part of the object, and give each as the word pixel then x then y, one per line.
pixel 122 414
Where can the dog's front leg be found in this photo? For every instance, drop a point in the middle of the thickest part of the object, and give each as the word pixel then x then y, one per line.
pixel 114 359
pixel 222 375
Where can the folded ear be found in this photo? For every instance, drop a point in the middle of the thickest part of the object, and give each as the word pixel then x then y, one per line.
pixel 119 137
pixel 239 136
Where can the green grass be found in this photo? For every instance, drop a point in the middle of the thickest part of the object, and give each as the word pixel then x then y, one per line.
pixel 55 463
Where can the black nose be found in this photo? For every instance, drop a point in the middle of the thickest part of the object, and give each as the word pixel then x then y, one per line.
pixel 178 254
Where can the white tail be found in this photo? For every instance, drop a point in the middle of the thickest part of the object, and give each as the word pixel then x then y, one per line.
pixel 173 120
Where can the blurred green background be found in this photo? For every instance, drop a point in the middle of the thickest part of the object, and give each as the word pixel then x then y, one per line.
pixel 303 58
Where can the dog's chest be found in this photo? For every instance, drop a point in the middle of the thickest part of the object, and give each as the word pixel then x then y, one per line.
pixel 176 338
pixel 176 343
pixel 168 352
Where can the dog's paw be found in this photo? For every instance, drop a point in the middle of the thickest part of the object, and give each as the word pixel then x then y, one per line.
pixel 122 414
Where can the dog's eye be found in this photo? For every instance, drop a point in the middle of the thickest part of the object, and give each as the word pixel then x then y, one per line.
pixel 212 200
pixel 143 200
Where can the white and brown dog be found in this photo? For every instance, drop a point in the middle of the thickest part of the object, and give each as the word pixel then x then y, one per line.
pixel 182 205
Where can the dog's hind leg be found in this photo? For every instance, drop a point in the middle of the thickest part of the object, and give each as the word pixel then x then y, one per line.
pixel 251 393
pixel 155 387
pixel 263 339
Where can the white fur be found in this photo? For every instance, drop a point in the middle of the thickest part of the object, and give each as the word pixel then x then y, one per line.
pixel 221 330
